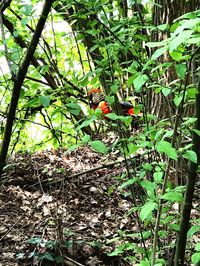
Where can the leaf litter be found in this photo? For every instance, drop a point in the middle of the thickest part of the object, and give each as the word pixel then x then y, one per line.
pixel 47 218
pixel 77 213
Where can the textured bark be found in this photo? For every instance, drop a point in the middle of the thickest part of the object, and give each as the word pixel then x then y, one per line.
pixel 18 82
pixel 165 12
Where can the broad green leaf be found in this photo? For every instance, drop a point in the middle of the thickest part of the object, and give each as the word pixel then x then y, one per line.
pixel 196 258
pixel 44 100
pixel 173 196
pixel 176 55
pixel 112 116
pixel 166 148
pixel 191 92
pixel 150 188
pixel 126 119
pixel 197 246
pixel 24 21
pixel 168 134
pixel 177 99
pixel 84 81
pixel 163 26
pixel 73 108
pixel 158 53
pixel 190 155
pixel 196 131
pixel 99 146
pixel 147 210
pixel 188 24
pixel 139 82
pixel 46 255
pixel 86 138
pixel 15 33
pixel 194 40
pixel 166 91
pixel 27 10
pixel 181 70
pixel 33 102
pixel 147 166
pixel 181 38
pixel 158 177
pixel 130 81
pixel 128 183
pixel 154 44
pixel 132 148
pixel 44 69
pixel 86 123
pixel 193 230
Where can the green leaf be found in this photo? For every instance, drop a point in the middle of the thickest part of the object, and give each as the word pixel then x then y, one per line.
pixel 139 82
pixel 28 10
pixel 158 53
pixel 45 101
pixel 73 108
pixel 163 26
pixel 176 55
pixel 47 256
pixel 196 258
pixel 188 24
pixel 173 196
pixel 181 38
pixel 130 80
pixel 196 131
pixel 166 91
pixel 132 148
pixel 147 210
pixel 112 116
pixel 34 240
pixel 126 119
pixel 128 183
pixel 190 155
pixel 193 230
pixel 197 246
pixel 99 146
pixel 44 69
pixel 86 123
pixel 150 188
pixel 85 138
pixel 158 177
pixel 181 70
pixel 177 99
pixel 154 44
pixel 166 148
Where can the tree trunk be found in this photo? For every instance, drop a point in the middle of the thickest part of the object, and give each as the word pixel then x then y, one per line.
pixel 18 82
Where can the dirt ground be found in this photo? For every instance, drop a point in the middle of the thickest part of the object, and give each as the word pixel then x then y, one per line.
pixel 56 204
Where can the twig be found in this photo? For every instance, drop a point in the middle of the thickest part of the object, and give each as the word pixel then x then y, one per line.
pixel 102 166
pixel 70 262
pixel 10 229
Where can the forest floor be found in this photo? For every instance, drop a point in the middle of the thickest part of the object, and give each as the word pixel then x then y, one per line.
pixel 57 204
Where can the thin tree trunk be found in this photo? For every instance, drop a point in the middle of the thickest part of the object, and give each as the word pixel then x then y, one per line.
pixel 18 82
pixel 190 187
